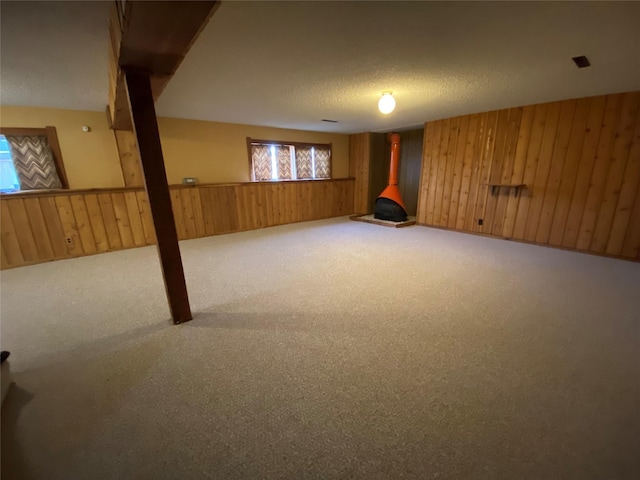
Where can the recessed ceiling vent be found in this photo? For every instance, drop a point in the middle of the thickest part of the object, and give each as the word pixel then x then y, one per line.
pixel 581 61
pixel 329 121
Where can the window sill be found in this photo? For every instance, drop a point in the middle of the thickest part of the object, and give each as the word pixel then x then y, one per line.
pixel 35 191
pixel 294 180
pixel 82 191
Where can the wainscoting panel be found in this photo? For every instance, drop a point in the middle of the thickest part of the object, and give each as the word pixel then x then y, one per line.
pixel 38 227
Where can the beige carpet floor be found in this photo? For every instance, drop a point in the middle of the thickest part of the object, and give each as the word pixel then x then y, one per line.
pixel 326 350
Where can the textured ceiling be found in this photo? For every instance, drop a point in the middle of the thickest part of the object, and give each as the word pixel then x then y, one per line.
pixel 291 64
pixel 54 54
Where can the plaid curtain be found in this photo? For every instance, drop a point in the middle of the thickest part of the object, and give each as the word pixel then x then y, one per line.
pixel 303 163
pixel 283 159
pixel 34 163
pixel 323 162
pixel 261 160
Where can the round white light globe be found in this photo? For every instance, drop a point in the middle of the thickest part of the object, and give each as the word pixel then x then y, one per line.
pixel 387 103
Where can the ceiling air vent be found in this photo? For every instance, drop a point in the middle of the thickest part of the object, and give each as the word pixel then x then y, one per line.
pixel 581 61
pixel 329 121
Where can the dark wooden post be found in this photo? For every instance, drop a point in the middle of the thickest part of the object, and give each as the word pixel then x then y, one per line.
pixel 145 125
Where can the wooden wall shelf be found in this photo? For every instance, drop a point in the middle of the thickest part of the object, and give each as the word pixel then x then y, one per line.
pixel 497 186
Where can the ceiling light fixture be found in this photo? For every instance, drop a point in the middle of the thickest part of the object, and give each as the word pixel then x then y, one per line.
pixel 387 103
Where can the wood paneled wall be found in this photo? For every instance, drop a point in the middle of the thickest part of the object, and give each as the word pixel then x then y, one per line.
pixel 379 167
pixel 359 162
pixel 410 167
pixel 39 227
pixel 369 159
pixel 579 160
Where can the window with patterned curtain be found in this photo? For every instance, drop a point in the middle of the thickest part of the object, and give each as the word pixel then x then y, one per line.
pixel 30 159
pixel 283 161
pixel 322 162
pixel 261 162
pixel 272 160
pixel 304 166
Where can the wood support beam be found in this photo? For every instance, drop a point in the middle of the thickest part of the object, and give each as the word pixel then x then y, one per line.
pixel 148 41
pixel 143 116
pixel 150 36
pixel 129 158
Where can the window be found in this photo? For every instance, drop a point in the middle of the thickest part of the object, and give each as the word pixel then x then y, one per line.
pixel 8 176
pixel 273 161
pixel 30 159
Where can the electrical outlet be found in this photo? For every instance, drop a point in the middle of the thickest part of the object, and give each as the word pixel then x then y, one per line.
pixel 480 221
pixel 69 240
pixel 189 180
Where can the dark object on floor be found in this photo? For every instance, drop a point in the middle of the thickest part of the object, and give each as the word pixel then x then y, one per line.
pixel 387 209
pixel 4 355
pixel 389 205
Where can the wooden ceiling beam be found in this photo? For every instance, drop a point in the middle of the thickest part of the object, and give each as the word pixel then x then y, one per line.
pixel 151 37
